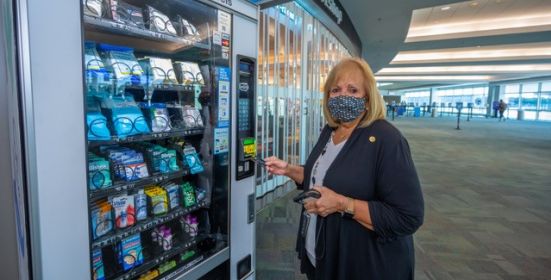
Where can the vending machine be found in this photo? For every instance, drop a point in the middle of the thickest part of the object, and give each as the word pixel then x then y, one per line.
pixel 138 123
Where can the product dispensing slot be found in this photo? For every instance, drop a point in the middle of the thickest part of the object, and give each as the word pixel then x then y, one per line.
pixel 246 121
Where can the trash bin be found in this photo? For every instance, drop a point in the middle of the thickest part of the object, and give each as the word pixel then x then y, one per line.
pixel 433 112
pixel 520 115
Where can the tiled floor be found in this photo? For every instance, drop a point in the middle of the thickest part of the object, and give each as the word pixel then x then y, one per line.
pixel 487 191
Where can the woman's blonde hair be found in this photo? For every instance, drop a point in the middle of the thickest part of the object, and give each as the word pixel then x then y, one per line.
pixel 375 105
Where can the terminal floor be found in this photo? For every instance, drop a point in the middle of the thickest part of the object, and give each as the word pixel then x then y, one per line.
pixel 487 190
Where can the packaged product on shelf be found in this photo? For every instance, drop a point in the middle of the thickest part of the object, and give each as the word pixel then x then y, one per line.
pixel 186 117
pixel 99 173
pixel 101 219
pixel 167 266
pixel 130 252
pixel 157 198
pixel 186 29
pixel 125 214
pixel 158 71
pixel 123 63
pixel 200 194
pixel 191 160
pixel 190 225
pixel 93 7
pixel 188 193
pixel 128 164
pixel 126 116
pixel 192 117
pixel 187 255
pixel 161 159
pixel 96 121
pixel 159 22
pixel 97 265
pixel 188 73
pixel 96 74
pixel 157 115
pixel 125 13
pixel 150 275
pixel 140 202
pixel 163 237
pixel 173 192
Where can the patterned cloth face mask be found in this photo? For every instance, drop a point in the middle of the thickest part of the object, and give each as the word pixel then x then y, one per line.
pixel 346 108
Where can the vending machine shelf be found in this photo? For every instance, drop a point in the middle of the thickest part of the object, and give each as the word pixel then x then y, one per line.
pixel 137 271
pixel 107 25
pixel 146 225
pixel 128 186
pixel 147 137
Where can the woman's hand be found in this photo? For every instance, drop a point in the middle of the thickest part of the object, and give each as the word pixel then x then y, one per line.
pixel 276 166
pixel 329 202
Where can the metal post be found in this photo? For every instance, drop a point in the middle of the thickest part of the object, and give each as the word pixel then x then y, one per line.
pixel 458 118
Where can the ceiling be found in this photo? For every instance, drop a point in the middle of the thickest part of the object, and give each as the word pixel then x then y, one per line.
pixel 425 43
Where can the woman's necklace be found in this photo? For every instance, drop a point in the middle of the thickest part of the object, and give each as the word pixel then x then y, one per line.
pixel 339 138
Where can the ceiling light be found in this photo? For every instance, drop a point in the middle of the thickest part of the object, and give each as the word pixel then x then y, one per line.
pixel 445 8
pixel 473 4
pixel 434 78
pixel 511 68
pixel 486 53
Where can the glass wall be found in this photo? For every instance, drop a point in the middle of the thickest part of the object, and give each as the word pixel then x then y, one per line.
pixel 532 98
pixel 296 53
pixel 477 95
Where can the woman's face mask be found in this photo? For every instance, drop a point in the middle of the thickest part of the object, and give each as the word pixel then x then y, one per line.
pixel 345 108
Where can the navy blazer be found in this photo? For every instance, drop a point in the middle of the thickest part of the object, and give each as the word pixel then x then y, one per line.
pixel 374 165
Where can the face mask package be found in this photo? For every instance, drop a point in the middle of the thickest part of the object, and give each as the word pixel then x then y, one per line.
pixel 186 29
pixel 188 73
pixel 126 116
pixel 157 115
pixel 125 214
pixel 102 221
pixel 130 252
pixel 124 65
pixel 96 122
pixel 158 71
pixel 157 198
pixel 159 22
pixel 185 117
pixel 97 264
pixel 188 193
pixel 96 73
pixel 128 164
pixel 125 13
pixel 99 173
pixel 93 7
pixel 192 161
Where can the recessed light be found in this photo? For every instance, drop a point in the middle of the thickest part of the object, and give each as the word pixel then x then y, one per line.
pixel 434 78
pixel 445 8
pixel 504 68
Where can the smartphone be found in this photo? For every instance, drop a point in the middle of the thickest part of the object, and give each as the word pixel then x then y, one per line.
pixel 260 161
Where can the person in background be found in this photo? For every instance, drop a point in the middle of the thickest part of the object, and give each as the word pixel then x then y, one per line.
pixel 502 108
pixel 371 201
pixel 495 106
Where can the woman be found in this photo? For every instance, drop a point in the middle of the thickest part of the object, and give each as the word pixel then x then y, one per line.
pixel 371 202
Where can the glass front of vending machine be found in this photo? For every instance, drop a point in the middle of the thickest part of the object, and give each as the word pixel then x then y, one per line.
pixel 156 84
